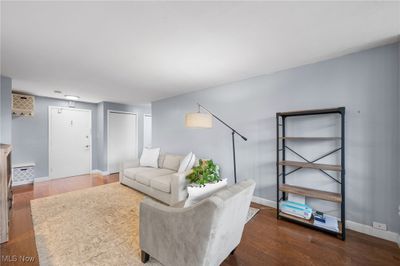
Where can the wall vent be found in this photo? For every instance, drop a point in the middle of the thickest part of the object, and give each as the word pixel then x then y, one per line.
pixel 23 105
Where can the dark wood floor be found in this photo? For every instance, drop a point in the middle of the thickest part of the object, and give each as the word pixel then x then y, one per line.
pixel 266 241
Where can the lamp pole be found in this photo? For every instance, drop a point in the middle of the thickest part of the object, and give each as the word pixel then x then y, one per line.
pixel 233 137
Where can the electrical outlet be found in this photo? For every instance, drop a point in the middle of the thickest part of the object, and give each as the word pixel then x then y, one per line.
pixel 379 226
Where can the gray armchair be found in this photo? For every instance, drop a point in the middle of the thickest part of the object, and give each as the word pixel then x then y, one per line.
pixel 203 234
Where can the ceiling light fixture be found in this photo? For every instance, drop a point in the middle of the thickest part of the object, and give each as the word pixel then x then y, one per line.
pixel 72 97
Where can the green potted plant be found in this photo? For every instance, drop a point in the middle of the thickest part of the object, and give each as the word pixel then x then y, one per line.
pixel 204 180
pixel 206 172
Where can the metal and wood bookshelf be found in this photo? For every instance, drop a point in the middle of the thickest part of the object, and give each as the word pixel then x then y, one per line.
pixel 285 167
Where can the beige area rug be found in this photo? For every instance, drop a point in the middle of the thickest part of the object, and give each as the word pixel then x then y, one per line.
pixel 94 226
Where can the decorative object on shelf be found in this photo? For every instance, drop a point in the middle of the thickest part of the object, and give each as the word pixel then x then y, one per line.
pixel 319 216
pixel 332 224
pixel 204 120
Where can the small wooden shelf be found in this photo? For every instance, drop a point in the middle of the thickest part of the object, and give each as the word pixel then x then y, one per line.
pixel 314 193
pixel 310 222
pixel 331 167
pixel 310 138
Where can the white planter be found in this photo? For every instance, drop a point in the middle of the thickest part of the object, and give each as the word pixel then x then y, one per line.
pixel 197 193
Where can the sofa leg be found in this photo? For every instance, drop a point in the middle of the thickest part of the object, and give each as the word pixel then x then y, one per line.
pixel 233 251
pixel 144 256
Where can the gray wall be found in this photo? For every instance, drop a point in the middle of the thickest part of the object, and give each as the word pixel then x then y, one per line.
pixel 30 135
pixel 366 83
pixel 5 110
pixel 103 123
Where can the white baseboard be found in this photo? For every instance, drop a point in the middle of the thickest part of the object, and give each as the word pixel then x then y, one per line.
pixel 265 202
pixel 369 230
pixel 96 171
pixel 41 179
pixel 20 183
pixel 361 228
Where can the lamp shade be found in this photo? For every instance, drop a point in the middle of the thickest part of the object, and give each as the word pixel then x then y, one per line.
pixel 199 120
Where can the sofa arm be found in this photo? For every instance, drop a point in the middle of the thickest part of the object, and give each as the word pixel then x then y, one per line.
pixel 176 236
pixel 178 188
pixel 127 164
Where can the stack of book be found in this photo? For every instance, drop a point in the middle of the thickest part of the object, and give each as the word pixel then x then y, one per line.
pixel 296 209
pixel 327 222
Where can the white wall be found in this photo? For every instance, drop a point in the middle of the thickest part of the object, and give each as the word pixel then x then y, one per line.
pixel 30 135
pixel 366 83
pixel 5 110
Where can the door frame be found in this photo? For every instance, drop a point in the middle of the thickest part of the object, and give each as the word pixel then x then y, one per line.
pixel 50 138
pixel 109 111
pixel 148 115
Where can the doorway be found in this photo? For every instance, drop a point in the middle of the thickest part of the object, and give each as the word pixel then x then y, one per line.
pixel 70 141
pixel 122 139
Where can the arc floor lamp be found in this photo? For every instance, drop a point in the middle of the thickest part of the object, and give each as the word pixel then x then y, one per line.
pixel 204 120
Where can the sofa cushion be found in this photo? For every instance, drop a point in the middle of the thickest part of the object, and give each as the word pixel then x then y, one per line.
pixel 131 172
pixel 172 162
pixel 145 177
pixel 161 160
pixel 162 183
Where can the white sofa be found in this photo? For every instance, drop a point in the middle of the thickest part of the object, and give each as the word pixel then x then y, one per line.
pixel 163 183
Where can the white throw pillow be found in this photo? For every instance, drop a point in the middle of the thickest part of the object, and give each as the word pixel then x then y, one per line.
pixel 150 157
pixel 187 163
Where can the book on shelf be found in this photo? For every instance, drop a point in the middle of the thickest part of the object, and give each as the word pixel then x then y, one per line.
pixel 331 223
pixel 296 209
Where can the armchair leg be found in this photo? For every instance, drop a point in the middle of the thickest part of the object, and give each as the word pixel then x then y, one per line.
pixel 144 256
pixel 233 251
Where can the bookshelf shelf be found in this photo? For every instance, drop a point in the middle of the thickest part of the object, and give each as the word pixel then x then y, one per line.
pixel 313 193
pixel 309 138
pixel 309 223
pixel 330 167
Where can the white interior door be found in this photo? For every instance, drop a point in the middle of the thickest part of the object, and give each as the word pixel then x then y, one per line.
pixel 70 151
pixel 147 131
pixel 122 139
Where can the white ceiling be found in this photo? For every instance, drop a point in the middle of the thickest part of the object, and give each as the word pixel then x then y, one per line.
pixel 137 52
